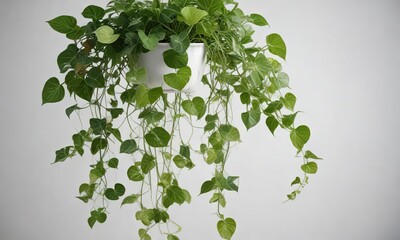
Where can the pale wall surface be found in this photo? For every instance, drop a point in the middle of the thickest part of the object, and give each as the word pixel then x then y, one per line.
pixel 343 59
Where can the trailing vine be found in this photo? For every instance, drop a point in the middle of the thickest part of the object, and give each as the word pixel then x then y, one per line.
pixel 103 75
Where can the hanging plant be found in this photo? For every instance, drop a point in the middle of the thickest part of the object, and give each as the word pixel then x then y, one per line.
pixel 135 65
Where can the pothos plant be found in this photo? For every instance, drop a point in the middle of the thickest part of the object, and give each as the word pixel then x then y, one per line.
pixel 103 77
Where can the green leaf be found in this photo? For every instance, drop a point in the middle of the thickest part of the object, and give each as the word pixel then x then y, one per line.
pixel 95 78
pixel 251 118
pixel 149 42
pixel 292 196
pixel 184 150
pixel 226 228
pixel 216 140
pixel 93 12
pixel 191 15
pixel 84 91
pixel 63 24
pixel 151 115
pixel 62 154
pixel 273 107
pixel 134 174
pixel 52 91
pixel 258 20
pixel 119 189
pixel 195 107
pixel 211 6
pixel 98 125
pixel 65 59
pixel 175 60
pixel 288 120
pixel 310 167
pixel 141 96
pixel 98 144
pixel 229 133
pixel 71 109
pixel 230 185
pixel 154 94
pixel 262 65
pixel 176 194
pixel 113 163
pixel 96 174
pixel 180 43
pixel 78 143
pixel 245 98
pixel 281 81
pixel 179 161
pixel 272 124
pixel 130 199
pixel 91 221
pixel 289 101
pixel 111 194
pixel 158 137
pixel 188 197
pixel 72 81
pixel 310 155
pixel 207 186
pixel 178 80
pixel 148 163
pixel 105 34
pixel 76 33
pixel 300 136
pixel 115 112
pixel 172 237
pixel 276 45
pixel 128 146
pixel 296 181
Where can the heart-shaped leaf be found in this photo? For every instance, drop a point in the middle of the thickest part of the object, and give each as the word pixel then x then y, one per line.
pixel 52 91
pixel 105 34
pixel 178 80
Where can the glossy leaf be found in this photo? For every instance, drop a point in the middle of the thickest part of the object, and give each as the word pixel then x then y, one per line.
pixel 93 12
pixel 176 194
pixel 258 20
pixel 300 136
pixel 130 199
pixel 272 124
pixel 276 45
pixel 128 146
pixel 175 60
pixel 207 186
pixel 63 24
pixel 195 107
pixel 289 101
pixel 134 174
pixel 310 155
pixel 158 137
pixel 211 6
pixel 95 78
pixel 178 80
pixel 65 59
pixel 226 228
pixel 105 34
pixel 229 133
pixel 52 91
pixel 149 42
pixel 191 15
pixel 251 118
pixel 180 42
pixel 310 167
pixel 148 163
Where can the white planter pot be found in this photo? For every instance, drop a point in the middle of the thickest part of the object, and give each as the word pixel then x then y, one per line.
pixel 153 61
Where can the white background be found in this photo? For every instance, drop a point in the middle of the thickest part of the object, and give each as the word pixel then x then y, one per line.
pixel 343 59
